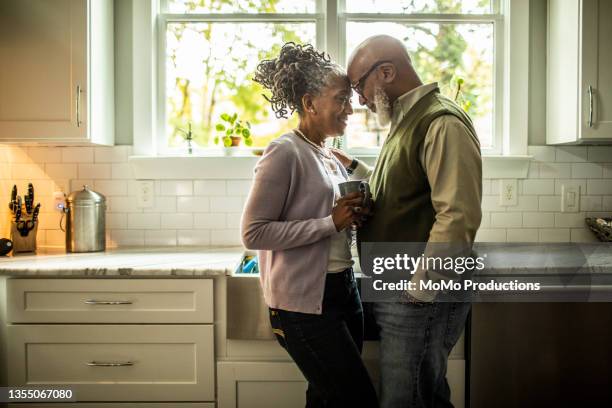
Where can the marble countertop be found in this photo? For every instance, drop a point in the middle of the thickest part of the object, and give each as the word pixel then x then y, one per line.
pixel 125 262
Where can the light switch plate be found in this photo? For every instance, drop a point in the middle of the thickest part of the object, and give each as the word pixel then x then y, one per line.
pixel 508 194
pixel 146 193
pixel 570 198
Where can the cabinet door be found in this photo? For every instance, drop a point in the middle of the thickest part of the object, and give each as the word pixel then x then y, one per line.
pixel 260 385
pixel 596 112
pixel 43 49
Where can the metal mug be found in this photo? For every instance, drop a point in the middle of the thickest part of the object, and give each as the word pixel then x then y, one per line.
pixel 357 186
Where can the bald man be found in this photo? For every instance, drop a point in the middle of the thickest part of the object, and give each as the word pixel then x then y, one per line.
pixel 427 187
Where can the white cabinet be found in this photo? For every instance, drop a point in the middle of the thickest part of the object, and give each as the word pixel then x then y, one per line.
pixel 114 340
pixel 57 71
pixel 260 385
pixel 579 78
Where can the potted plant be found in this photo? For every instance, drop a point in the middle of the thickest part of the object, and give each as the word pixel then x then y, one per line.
pixel 231 131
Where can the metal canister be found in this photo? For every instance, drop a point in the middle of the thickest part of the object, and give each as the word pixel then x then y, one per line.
pixel 85 221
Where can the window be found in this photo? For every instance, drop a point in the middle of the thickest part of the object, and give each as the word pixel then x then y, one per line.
pixel 210 49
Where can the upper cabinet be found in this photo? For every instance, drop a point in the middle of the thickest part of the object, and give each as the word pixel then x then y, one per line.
pixel 579 80
pixel 56 72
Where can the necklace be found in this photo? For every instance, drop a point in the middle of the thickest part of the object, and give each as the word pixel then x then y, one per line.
pixel 310 142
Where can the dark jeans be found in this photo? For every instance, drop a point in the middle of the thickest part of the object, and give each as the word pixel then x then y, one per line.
pixel 415 341
pixel 327 347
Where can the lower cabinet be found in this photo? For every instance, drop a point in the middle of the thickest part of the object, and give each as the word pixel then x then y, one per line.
pixel 116 362
pixel 260 385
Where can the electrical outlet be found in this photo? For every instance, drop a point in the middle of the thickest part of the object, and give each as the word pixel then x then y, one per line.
pixel 570 198
pixel 146 193
pixel 508 194
pixel 59 201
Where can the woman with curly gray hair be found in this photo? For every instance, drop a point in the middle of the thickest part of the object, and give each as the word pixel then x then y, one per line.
pixel 296 219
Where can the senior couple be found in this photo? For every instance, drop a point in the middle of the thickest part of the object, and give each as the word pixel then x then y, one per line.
pixel 426 187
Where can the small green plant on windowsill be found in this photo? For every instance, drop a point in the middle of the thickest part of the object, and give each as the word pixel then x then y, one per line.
pixel 231 130
pixel 459 99
pixel 188 137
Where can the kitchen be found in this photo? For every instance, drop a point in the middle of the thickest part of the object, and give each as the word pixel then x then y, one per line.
pixel 174 198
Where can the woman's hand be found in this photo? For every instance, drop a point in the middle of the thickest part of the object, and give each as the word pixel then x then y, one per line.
pixel 348 211
pixel 342 157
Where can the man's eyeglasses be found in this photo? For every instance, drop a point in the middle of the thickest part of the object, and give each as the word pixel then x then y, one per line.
pixel 358 85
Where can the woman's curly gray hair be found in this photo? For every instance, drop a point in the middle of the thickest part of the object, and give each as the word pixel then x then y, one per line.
pixel 298 69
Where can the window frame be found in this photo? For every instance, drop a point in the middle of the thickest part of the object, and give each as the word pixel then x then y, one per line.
pixel 330 20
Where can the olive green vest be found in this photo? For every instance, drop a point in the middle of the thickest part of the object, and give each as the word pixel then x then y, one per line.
pixel 403 211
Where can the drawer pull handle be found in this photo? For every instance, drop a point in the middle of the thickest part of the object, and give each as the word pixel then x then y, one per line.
pixel 108 302
pixel 103 364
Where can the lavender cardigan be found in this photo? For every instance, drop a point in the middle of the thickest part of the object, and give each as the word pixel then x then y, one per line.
pixel 287 218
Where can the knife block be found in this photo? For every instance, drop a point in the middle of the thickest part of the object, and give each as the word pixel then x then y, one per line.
pixel 23 244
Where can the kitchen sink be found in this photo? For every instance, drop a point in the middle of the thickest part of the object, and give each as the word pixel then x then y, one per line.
pixel 247 313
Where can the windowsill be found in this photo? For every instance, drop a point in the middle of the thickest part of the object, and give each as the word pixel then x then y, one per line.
pixel 241 166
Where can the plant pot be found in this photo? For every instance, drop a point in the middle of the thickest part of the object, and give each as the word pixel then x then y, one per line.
pixel 235 141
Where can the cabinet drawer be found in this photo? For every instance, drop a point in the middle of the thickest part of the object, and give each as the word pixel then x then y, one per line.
pixel 110 300
pixel 158 363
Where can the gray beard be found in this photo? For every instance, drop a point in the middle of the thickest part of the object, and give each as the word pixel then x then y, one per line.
pixel 383 107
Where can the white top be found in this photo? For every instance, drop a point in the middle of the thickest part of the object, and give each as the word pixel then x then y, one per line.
pixel 340 257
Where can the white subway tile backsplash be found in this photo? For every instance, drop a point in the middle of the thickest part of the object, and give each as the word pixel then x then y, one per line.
pixel 491 235
pixel 116 220
pixel 554 235
pixel 587 170
pixel 590 203
pixel 176 187
pixel 575 183
pixel 122 171
pixel 491 203
pixel 522 235
pixel 555 170
pixel 603 187
pixel 225 237
pixel 525 203
pixel 210 188
pixel 542 153
pixel 582 235
pixel 506 220
pixel 177 221
pixel 209 220
pixel 160 237
pixel 208 212
pixel 111 187
pixel 144 221
pixel 123 204
pixel 193 204
pixel 600 154
pixel 77 154
pixel 78 184
pixel 57 171
pixel 44 154
pixel 127 237
pixel 28 171
pixel 538 187
pixel 238 187
pixel 569 220
pixel 161 204
pixel 226 204
pixel 538 219
pixel 193 237
pixel 94 171
pixel 571 154
pixel 116 154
